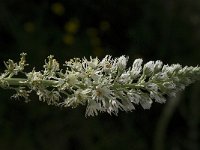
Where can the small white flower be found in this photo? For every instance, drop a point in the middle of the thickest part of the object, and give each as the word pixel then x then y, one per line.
pixel 34 76
pixel 108 64
pixel 121 62
pixel 92 108
pixel 158 98
pixel 71 78
pixel 169 85
pixel 93 63
pixel 51 97
pixel 145 101
pixel 79 97
pixel 74 64
pixel 113 107
pixel 34 79
pixel 82 94
pixel 149 68
pixel 136 68
pixel 124 78
pixel 127 105
pixel 133 96
pixel 51 67
pixel 101 92
pixel 160 76
pixel 158 66
pixel 152 87
pixel 171 69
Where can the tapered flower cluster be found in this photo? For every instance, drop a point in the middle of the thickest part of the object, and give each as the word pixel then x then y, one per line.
pixel 106 85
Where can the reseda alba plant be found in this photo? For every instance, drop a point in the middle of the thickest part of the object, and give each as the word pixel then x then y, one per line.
pixel 103 85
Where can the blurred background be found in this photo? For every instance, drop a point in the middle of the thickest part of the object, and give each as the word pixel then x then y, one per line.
pixel 152 30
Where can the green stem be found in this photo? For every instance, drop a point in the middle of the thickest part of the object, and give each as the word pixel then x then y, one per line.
pixel 22 82
pixel 51 83
pixel 161 129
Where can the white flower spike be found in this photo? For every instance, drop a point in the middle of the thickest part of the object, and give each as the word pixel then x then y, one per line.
pixel 105 85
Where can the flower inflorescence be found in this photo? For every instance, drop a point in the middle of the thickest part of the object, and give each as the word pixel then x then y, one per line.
pixel 106 85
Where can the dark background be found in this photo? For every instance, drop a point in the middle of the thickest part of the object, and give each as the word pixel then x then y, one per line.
pixel 167 30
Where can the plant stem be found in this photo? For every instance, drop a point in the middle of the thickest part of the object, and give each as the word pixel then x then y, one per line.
pixel 165 117
pixel 51 83
pixel 23 82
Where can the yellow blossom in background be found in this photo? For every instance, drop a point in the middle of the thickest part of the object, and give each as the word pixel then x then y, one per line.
pixel 72 26
pixel 68 39
pixel 58 9
pixel 92 32
pixel 104 25
pixel 95 41
pixel 29 27
pixel 98 51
